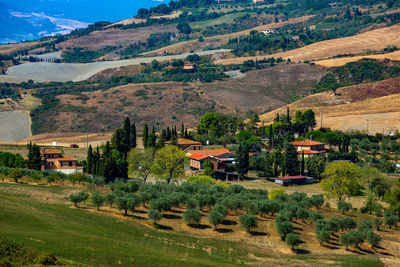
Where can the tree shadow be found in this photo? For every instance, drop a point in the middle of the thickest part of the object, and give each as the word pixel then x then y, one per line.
pixel 229 222
pixel 356 252
pixel 141 211
pixel 172 216
pixel 301 251
pixel 200 226
pixel 136 217
pixel 177 211
pixel 224 230
pixel 256 233
pixel 366 251
pixel 163 227
pixel 297 228
pixel 329 246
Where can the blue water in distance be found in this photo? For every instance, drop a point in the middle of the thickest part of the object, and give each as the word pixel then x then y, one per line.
pixel 83 10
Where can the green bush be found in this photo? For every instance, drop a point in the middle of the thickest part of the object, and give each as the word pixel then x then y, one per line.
pixel 192 216
pixel 154 215
pixel 248 221
pixel 215 217
pixel 292 240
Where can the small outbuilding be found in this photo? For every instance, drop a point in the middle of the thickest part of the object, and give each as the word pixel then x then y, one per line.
pixel 294 180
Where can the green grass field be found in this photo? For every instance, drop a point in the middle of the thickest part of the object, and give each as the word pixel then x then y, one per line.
pixel 89 238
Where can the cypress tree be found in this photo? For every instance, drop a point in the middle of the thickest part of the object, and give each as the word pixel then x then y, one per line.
pixel 89 160
pixel 182 130
pixel 133 137
pixel 291 161
pixel 287 115
pixel 153 138
pixel 186 133
pixel 302 163
pixel 168 134
pixel 127 135
pixel 145 136
pixel 34 157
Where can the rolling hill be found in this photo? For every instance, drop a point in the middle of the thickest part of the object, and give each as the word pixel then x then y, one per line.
pixel 351 107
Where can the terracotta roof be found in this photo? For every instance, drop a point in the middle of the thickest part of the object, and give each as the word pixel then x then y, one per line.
pixel 198 156
pixel 299 177
pixel 306 143
pixel 212 152
pixel 183 141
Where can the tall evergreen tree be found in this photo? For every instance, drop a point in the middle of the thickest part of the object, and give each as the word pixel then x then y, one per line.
pixel 89 160
pixel 242 159
pixel 127 134
pixel 152 138
pixel 34 161
pixel 291 161
pixel 133 136
pixel 183 131
pixel 145 137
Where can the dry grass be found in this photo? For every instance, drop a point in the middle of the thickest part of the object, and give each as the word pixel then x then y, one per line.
pixel 372 40
pixel 378 102
pixel 337 62
pixel 173 15
pixel 11 48
pixel 270 26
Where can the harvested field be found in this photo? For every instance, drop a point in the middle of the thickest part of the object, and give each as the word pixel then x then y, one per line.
pixel 337 62
pixel 63 72
pixel 11 48
pixel 265 89
pixel 378 102
pixel 372 40
pixel 270 26
pixel 173 15
pixel 15 126
pixel 115 37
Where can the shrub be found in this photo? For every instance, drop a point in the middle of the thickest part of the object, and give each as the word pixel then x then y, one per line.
pixel 347 223
pixel 292 240
pixel 356 238
pixel 365 225
pixel 272 194
pixel 248 221
pixel 315 216
pixel 377 223
pixel 221 209
pixel 15 174
pixel 317 201
pixel 323 236
pixel 373 238
pixel 201 179
pixel 343 206
pixel 345 240
pixel 191 203
pixel 284 228
pixel 76 199
pixel 98 200
pixel 154 215
pixel 110 199
pixel 192 216
pixel 215 217
pixel 391 220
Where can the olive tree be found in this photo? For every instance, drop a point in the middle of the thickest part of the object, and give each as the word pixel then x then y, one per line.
pixel 154 215
pixel 248 221
pixel 98 200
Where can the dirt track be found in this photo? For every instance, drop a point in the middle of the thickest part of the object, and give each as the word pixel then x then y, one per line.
pixel 63 72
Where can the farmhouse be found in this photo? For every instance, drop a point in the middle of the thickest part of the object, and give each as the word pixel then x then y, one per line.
pixel 294 180
pixel 188 145
pixel 219 157
pixel 52 160
pixel 309 148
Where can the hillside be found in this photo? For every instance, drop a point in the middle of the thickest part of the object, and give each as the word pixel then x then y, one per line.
pixel 173 103
pixel 374 40
pixel 351 107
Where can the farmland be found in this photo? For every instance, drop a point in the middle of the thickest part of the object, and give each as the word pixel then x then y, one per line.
pixel 51 225
pixel 14 126
pixel 371 40
pixel 378 102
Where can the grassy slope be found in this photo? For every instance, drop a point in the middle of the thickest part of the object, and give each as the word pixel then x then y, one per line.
pixel 94 239
pixel 99 240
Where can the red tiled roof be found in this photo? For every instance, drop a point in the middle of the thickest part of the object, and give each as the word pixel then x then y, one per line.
pixel 198 156
pixel 50 151
pixel 212 152
pixel 66 158
pixel 306 143
pixel 299 177
pixel 183 141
